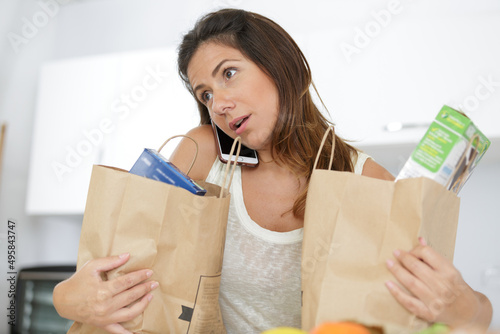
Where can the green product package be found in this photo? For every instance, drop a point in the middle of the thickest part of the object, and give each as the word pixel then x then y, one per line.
pixel 448 152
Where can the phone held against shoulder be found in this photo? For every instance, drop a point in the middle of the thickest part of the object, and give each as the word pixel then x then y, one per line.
pixel 248 157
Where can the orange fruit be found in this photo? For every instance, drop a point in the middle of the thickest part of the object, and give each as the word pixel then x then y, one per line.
pixel 343 327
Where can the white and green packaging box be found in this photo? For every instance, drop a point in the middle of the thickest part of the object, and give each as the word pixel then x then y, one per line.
pixel 451 136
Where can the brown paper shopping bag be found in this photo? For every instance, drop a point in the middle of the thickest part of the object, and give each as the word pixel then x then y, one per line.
pixel 177 234
pixel 352 224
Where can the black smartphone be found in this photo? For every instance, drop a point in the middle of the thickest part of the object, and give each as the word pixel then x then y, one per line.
pixel 248 157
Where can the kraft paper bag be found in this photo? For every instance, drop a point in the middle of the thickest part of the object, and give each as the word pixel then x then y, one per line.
pixel 352 224
pixel 177 234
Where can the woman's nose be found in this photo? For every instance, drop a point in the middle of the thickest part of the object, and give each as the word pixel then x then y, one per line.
pixel 221 102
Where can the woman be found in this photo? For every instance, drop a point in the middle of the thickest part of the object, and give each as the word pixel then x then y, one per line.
pixel 250 78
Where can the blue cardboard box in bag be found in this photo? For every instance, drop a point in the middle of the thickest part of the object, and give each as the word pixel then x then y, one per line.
pixel 153 165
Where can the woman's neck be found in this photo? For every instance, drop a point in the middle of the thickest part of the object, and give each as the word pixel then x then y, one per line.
pixel 266 156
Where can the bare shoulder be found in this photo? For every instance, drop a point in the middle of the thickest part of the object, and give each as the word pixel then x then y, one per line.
pixel 186 150
pixel 373 169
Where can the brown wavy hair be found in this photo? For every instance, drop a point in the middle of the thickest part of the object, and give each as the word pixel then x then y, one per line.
pixel 300 125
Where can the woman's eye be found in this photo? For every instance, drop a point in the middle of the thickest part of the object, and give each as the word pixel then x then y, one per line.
pixel 206 96
pixel 229 73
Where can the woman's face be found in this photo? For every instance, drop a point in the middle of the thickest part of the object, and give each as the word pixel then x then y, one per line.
pixel 241 99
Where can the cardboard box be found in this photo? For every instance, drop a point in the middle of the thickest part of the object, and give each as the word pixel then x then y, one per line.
pixel 448 152
pixel 153 165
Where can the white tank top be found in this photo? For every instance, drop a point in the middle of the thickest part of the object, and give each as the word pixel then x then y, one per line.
pixel 260 282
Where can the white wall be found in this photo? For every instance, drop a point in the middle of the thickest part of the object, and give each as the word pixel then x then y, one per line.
pixel 90 27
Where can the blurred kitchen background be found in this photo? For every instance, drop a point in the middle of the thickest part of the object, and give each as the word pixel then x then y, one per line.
pixel 94 81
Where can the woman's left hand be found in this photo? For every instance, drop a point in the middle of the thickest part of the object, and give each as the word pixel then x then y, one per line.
pixel 435 289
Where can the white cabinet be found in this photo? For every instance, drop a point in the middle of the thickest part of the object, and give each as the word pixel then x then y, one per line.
pixel 101 110
pixel 406 71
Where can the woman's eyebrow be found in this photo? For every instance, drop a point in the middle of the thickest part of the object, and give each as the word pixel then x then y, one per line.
pixel 217 68
pixel 214 72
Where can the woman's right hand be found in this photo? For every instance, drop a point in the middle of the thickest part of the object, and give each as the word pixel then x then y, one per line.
pixel 86 298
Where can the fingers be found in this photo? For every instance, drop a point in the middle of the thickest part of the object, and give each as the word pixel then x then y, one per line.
pixel 125 282
pixel 121 292
pixel 126 314
pixel 119 299
pixel 438 264
pixel 417 275
pixel 129 313
pixel 132 295
pixel 109 263
pixel 86 298
pixel 411 273
pixel 420 281
pixel 426 253
pixel 122 307
pixel 432 286
pixel 422 241
pixel 122 283
pixel 412 304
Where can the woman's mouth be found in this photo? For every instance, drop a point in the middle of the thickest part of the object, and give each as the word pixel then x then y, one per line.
pixel 239 124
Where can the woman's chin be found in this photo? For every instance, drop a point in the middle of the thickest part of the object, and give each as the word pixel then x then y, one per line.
pixel 257 143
